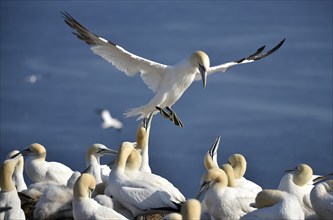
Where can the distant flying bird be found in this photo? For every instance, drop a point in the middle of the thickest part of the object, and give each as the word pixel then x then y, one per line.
pixel 167 82
pixel 33 78
pixel 108 121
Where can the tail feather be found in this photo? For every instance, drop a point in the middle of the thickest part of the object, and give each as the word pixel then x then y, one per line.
pixel 134 112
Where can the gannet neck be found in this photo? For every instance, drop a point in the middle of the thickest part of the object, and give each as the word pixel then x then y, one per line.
pixel 91 155
pixel 218 177
pixel 38 151
pixel 191 209
pixel 238 163
pixel 134 160
pixel 6 173
pixel 141 138
pixel 302 175
pixel 84 186
pixel 18 172
pixel 227 168
pixel 124 152
pixel 268 197
pixel 209 163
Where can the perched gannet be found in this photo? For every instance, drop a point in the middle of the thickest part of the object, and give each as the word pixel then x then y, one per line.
pixel 39 170
pixel 224 202
pixel 8 193
pixel 190 210
pixel 93 155
pixel 18 172
pixel 109 121
pixel 86 208
pixel 140 192
pixel 296 182
pixel 210 160
pixel 275 204
pixel 238 163
pixel 142 139
pixel 168 82
pixel 322 199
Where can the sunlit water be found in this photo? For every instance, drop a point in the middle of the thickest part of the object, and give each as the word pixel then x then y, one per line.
pixel 277 112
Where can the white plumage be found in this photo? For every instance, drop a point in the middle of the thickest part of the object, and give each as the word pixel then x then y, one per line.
pixel 8 194
pixel 167 82
pixel 40 170
pixel 142 139
pixel 140 192
pixel 109 121
pixel 224 202
pixel 322 199
pixel 275 204
pixel 296 182
pixel 55 202
pixel 239 164
pixel 86 208
pixel 18 177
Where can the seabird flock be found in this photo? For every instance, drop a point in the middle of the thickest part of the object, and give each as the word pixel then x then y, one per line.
pixel 127 189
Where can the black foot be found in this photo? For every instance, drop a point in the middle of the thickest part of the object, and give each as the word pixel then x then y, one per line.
pixel 146 122
pixel 163 113
pixel 170 115
pixel 175 119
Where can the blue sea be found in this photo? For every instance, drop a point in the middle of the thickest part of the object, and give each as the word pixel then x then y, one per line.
pixel 277 112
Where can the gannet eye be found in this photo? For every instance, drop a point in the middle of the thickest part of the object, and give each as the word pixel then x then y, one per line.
pixel 201 68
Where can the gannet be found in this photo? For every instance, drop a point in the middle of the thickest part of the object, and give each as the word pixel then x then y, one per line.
pixel 190 210
pixel 18 177
pixel 322 199
pixel 167 82
pixel 224 202
pixel 86 208
pixel 275 204
pixel 238 163
pixel 210 159
pixel 142 139
pixel 8 193
pixel 140 192
pixel 39 170
pixel 93 155
pixel 109 121
pixel 296 182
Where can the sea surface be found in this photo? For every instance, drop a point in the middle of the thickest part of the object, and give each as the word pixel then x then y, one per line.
pixel 277 112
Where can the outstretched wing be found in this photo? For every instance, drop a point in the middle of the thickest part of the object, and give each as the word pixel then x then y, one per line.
pixel 130 64
pixel 259 54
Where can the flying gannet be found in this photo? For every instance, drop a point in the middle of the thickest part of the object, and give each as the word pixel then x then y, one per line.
pixel 108 120
pixel 167 82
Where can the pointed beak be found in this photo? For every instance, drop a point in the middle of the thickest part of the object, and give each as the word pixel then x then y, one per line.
pixel 87 170
pixel 216 144
pixel 24 152
pixel 108 151
pixel 203 189
pixel 291 170
pixel 110 164
pixel 203 74
pixel 147 121
pixel 320 178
